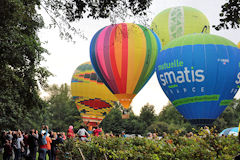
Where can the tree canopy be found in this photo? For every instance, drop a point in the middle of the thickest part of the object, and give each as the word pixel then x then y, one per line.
pixel 64 11
pixel 20 55
pixel 230 15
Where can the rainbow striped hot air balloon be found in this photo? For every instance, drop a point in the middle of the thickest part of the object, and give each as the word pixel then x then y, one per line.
pixel 93 99
pixel 123 56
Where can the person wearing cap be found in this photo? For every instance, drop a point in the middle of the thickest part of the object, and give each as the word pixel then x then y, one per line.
pixel 123 134
pixel 43 143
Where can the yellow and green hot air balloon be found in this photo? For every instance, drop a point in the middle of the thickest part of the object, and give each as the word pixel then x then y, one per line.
pixel 178 21
pixel 93 99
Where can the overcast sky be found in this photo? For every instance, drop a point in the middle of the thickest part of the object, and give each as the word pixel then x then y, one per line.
pixel 66 57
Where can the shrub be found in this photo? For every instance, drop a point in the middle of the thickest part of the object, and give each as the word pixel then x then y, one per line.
pixel 174 146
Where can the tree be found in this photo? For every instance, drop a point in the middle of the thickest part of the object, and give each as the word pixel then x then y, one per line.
pixel 113 122
pixel 230 15
pixel 63 12
pixel 62 109
pixel 20 55
pixel 77 9
pixel 147 114
pixel 230 117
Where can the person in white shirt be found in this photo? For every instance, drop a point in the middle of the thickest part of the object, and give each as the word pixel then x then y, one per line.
pixel 83 134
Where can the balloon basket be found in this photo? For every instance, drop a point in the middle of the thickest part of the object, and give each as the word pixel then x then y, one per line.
pixel 125 113
pixel 126 116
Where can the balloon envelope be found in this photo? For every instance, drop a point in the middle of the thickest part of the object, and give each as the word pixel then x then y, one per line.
pixel 92 98
pixel 230 131
pixel 124 55
pixel 200 75
pixel 178 21
pixel 238 45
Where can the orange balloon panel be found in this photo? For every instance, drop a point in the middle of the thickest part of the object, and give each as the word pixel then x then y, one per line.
pixel 93 99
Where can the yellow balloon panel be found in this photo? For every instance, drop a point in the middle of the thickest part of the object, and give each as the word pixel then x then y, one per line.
pixel 93 99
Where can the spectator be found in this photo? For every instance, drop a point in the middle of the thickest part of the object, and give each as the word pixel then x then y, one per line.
pixel 54 146
pixel 59 139
pixel 96 131
pixel 123 134
pixel 33 143
pixel 149 135
pixel 26 146
pixel 70 132
pixel 3 138
pixel 49 141
pixel 10 136
pixel 83 134
pixel 43 143
pixel 7 150
pixel 63 136
pixel 16 144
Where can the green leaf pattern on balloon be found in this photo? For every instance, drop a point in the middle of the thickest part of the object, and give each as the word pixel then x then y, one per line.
pixel 176 22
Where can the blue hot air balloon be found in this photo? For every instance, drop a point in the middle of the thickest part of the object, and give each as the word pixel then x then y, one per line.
pixel 200 74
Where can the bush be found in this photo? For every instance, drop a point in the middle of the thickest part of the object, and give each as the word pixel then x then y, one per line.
pixel 201 146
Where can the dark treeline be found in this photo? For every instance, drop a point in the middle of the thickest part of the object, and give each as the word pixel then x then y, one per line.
pixel 60 112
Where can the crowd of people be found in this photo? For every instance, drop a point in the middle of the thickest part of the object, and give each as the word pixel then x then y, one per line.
pixel 20 145
pixel 25 145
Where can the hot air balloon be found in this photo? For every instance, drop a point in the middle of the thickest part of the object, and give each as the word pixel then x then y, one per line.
pixel 238 45
pixel 123 55
pixel 200 74
pixel 92 98
pixel 178 21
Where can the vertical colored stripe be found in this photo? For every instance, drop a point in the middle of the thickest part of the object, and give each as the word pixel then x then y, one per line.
pixel 153 45
pixel 100 53
pixel 136 56
pixel 125 54
pixel 116 54
pixel 107 60
pixel 93 52
pixel 117 39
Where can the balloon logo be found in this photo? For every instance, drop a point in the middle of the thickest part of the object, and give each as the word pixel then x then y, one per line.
pixel 200 74
pixel 178 21
pixel 92 98
pixel 123 56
